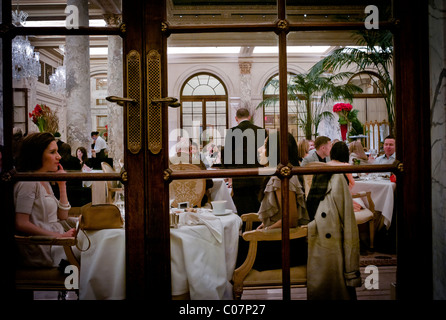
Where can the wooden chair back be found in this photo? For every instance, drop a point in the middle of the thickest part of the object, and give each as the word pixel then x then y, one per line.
pixel 188 190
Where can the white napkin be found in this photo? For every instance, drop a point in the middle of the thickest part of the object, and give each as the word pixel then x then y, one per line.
pixel 212 222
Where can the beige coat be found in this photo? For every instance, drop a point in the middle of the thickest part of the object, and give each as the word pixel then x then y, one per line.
pixel 333 245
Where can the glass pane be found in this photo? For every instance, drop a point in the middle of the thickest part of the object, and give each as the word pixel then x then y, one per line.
pixel 221 107
pixel 343 83
pixel 337 11
pixel 67 100
pixel 210 107
pixel 186 12
pixel 187 120
pixel 187 106
pixel 52 14
pixel 188 89
pixel 210 119
pixel 197 107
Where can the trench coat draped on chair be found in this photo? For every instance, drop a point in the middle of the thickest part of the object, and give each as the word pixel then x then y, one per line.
pixel 333 245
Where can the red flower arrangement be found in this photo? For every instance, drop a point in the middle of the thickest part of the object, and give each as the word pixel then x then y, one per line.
pixel 44 118
pixel 343 110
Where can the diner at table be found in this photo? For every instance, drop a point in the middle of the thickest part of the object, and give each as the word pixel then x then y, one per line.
pixel 205 240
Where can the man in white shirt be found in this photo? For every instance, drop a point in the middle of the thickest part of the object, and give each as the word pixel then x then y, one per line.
pixel 389 152
pixel 98 150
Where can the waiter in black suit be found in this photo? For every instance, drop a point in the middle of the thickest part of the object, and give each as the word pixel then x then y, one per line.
pixel 240 151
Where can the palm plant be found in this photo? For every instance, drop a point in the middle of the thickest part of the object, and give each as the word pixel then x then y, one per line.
pixel 377 55
pixel 314 90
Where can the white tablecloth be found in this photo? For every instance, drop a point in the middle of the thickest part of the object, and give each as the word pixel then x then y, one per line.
pixel 382 193
pixel 220 191
pixel 102 272
pixel 200 264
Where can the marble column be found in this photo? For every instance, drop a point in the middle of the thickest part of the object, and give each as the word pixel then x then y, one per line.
pixel 77 61
pixel 245 88
pixel 115 88
pixel 437 55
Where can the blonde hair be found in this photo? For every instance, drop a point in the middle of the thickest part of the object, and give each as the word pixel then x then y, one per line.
pixel 357 148
pixel 303 147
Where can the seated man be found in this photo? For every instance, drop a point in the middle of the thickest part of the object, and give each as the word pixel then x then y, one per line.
pixel 322 145
pixel 389 152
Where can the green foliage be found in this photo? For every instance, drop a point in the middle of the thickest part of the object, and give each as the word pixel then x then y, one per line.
pixel 314 90
pixel 377 56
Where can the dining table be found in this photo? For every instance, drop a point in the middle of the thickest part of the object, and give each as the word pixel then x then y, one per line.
pixel 203 251
pixel 102 271
pixel 382 193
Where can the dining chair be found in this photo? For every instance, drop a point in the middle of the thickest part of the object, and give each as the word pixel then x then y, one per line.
pixel 187 190
pixel 30 279
pixel 367 214
pixel 246 276
pixel 112 186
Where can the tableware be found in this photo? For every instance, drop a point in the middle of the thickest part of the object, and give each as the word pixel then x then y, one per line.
pixel 226 212
pixel 218 206
pixel 174 219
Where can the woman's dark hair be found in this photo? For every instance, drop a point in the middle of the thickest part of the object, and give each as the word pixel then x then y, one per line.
pixel 293 154
pixel 84 154
pixel 31 151
pixel 339 151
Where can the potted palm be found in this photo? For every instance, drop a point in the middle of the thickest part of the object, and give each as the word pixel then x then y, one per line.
pixel 375 52
pixel 314 90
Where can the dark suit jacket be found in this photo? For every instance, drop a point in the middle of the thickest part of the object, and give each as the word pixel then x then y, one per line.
pixel 240 151
pixel 241 144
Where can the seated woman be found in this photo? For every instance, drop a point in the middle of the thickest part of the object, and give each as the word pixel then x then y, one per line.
pixel 356 151
pixel 333 238
pixel 81 154
pixel 37 210
pixel 269 253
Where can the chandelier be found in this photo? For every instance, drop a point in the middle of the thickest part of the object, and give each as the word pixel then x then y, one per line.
pixel 58 80
pixel 25 62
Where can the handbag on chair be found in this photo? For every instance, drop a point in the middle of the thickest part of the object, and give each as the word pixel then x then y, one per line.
pixel 98 217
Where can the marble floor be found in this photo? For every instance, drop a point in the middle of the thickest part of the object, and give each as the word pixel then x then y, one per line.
pixel 385 290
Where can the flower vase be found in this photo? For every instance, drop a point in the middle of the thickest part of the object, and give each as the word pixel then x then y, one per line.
pixel 41 125
pixel 344 129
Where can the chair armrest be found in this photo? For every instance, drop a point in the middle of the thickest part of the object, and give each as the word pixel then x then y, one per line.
pixel 45 240
pixel 274 234
pixel 368 195
pixel 249 218
pixel 66 242
pixel 253 237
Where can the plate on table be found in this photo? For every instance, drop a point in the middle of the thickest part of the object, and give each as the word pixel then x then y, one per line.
pixel 227 211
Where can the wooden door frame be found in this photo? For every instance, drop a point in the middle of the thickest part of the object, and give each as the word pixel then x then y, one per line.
pixel 147 230
pixel 413 204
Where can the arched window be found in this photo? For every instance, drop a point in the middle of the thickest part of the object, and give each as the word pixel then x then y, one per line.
pixel 271 108
pixel 370 103
pixel 204 102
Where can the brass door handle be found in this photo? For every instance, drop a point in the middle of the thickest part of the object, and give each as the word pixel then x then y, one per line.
pixel 120 101
pixel 172 102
